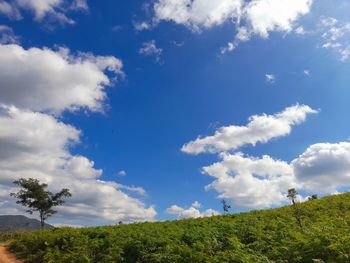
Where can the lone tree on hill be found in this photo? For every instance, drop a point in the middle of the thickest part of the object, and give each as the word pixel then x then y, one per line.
pixel 292 195
pixel 225 206
pixel 34 196
pixel 297 212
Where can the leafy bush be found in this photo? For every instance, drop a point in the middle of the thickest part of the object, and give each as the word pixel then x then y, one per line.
pixel 9 235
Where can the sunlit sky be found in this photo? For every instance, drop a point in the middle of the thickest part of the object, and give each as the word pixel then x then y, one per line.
pixel 156 110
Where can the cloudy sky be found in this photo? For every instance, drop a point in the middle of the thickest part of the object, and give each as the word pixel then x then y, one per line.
pixel 159 109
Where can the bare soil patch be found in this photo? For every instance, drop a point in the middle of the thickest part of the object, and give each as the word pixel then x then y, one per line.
pixel 6 257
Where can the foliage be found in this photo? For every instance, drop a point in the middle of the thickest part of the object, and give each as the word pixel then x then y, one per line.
pixel 9 235
pixel 257 236
pixel 35 198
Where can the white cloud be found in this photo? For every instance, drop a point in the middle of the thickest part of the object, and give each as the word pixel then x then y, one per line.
pixel 191 212
pixel 307 72
pixel 7 35
pixel 257 17
pixel 142 26
pixel 196 205
pixel 40 7
pixel 38 81
pixel 37 145
pixel 122 173
pixel 80 5
pixel 134 189
pixel 300 31
pixel 251 182
pixel 54 10
pixel 275 15
pixel 229 47
pixel 270 78
pixel 150 49
pixel 47 80
pixel 197 14
pixel 9 10
pixel 261 128
pixel 324 167
pixel 329 21
pixel 178 44
pixel 335 37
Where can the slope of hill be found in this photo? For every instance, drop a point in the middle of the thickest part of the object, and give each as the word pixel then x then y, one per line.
pixel 17 222
pixel 259 236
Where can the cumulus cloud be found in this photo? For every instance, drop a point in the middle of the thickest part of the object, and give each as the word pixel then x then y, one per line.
pixel 192 212
pixel 46 80
pixel 197 14
pixel 260 129
pixel 262 182
pixel 251 182
pixel 52 9
pixel 335 37
pixel 257 17
pixel 37 145
pixel 324 167
pixel 150 49
pixel 265 16
pixel 36 85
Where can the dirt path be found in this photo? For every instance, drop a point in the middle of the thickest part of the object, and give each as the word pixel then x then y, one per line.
pixel 6 257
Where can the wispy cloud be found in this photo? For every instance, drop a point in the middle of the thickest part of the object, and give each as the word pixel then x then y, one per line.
pixel 150 49
pixel 270 78
pixel 336 37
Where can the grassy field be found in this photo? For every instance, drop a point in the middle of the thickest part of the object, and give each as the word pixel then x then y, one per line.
pixel 258 236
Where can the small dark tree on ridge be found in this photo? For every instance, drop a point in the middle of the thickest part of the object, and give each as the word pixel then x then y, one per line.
pixel 313 197
pixel 225 206
pixel 292 195
pixel 36 199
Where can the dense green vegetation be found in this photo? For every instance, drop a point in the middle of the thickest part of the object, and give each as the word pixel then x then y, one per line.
pixel 259 236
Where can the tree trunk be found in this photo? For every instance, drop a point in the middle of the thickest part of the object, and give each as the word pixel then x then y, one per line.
pixel 42 220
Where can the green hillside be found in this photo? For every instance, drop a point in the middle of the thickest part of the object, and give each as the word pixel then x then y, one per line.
pixel 259 236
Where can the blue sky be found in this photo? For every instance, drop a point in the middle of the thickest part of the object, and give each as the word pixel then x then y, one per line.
pixel 179 87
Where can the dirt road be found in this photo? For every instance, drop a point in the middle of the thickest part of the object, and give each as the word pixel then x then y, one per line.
pixel 6 257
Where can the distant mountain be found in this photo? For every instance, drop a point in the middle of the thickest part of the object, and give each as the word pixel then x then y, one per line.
pixel 11 223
